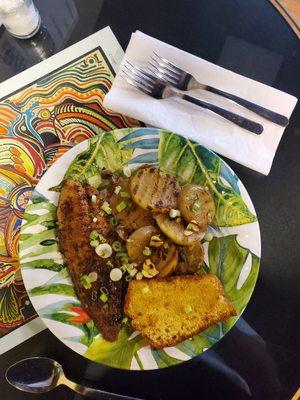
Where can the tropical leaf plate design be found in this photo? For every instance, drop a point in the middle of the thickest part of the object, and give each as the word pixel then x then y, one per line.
pixel 233 254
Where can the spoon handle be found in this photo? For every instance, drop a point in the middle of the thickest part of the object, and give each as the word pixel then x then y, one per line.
pixel 93 393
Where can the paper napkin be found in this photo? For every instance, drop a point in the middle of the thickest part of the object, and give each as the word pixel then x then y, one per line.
pixel 254 151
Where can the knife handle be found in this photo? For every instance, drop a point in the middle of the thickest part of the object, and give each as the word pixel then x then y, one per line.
pixel 262 111
pixel 243 122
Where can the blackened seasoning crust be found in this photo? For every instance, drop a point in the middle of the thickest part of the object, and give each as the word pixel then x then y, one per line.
pixel 75 218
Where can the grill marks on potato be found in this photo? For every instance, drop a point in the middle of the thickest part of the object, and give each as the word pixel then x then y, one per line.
pixel 154 190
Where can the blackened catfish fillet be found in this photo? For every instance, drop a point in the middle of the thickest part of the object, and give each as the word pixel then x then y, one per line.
pixel 75 221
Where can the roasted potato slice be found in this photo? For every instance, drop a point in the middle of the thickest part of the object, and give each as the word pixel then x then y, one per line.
pixel 132 216
pixel 137 242
pixel 154 190
pixel 176 231
pixel 190 258
pixel 196 204
pixel 165 259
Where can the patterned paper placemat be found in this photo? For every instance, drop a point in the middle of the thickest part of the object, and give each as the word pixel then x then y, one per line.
pixel 44 111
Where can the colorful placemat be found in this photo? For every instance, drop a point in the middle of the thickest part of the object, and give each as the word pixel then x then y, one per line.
pixel 44 112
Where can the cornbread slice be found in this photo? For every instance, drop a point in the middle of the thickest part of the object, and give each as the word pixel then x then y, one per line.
pixel 167 311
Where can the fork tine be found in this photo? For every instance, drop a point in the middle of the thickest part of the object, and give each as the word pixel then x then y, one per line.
pixel 129 80
pixel 139 71
pixel 138 83
pixel 138 77
pixel 164 74
pixel 169 64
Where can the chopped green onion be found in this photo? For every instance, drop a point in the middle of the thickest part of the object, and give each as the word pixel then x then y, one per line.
pixel 196 206
pixel 94 234
pixel 133 272
pixel 103 250
pixel 106 207
pixel 139 276
pixel 166 246
pixel 208 236
pixel 101 238
pixel 94 243
pixel 129 267
pixel 104 290
pixel 125 320
pixel 117 246
pixel 85 281
pixel 126 195
pixel 125 259
pixel 113 221
pixel 94 198
pixel 147 251
pixel 188 309
pixel 117 189
pixel 93 276
pixel 110 264
pixel 123 268
pixel 121 206
pixel 115 274
pixel 103 298
pixel 145 289
pixel 128 278
pixel 94 295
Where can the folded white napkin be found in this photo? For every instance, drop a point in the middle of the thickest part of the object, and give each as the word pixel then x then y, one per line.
pixel 254 151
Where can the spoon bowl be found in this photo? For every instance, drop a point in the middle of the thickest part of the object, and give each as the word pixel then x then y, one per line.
pixel 42 374
pixel 35 374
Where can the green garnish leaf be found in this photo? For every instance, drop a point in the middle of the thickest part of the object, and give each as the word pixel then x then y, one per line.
pixel 104 298
pixel 94 243
pixel 188 309
pixel 94 295
pixel 85 281
pixel 121 206
pixel 106 207
pixel 93 235
pixel 113 221
pixel 117 246
pixel 125 195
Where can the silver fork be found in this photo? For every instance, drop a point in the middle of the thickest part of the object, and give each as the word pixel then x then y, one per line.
pixel 183 80
pixel 154 87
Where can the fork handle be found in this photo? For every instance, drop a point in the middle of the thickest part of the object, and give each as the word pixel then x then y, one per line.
pixel 262 111
pixel 243 122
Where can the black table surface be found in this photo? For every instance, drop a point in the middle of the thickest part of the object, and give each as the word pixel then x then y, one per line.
pixel 259 358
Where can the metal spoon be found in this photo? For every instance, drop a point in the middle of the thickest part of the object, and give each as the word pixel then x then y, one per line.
pixel 41 374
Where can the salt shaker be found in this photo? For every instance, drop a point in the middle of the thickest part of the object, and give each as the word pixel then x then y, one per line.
pixel 20 17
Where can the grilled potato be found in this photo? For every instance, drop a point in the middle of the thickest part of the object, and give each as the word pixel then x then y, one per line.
pixel 154 190
pixel 196 204
pixel 176 231
pixel 190 258
pixel 137 242
pixel 133 216
pixel 165 260
pixel 163 257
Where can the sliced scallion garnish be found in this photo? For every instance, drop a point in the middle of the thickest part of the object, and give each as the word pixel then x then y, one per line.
pixel 121 206
pixel 106 207
pixel 103 298
pixel 125 195
pixel 117 246
pixel 113 221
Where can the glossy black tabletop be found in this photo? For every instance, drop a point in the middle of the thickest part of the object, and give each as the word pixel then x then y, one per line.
pixel 260 357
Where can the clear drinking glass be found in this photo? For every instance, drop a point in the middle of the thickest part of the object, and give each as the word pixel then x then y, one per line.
pixel 20 17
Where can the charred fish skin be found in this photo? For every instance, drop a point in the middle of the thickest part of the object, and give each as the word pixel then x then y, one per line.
pixel 75 222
